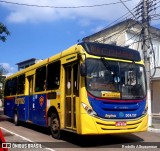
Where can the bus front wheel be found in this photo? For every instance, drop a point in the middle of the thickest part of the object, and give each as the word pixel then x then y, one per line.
pixel 55 126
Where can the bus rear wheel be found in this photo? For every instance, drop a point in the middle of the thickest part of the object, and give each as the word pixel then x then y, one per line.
pixel 55 126
pixel 16 120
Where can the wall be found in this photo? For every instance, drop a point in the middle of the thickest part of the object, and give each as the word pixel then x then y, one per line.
pixel 156 96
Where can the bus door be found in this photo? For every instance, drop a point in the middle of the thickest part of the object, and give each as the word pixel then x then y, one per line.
pixel 71 95
pixel 30 102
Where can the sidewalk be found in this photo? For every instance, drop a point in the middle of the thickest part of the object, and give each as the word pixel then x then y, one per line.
pixel 155 124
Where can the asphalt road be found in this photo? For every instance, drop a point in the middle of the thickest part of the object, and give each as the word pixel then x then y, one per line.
pixel 70 141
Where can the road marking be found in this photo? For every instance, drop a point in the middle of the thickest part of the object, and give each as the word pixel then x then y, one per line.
pixel 24 138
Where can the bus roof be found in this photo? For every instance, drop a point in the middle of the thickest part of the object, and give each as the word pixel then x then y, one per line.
pixel 97 49
pixel 70 50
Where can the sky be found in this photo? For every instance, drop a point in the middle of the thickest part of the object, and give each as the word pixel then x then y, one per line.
pixel 40 32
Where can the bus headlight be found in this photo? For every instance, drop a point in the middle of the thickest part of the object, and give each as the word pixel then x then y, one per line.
pixel 88 109
pixel 145 110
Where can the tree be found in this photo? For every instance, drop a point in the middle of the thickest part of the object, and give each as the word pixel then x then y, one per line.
pixel 3 32
pixel 2 79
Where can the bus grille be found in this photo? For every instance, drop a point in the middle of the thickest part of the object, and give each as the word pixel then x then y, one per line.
pixel 112 125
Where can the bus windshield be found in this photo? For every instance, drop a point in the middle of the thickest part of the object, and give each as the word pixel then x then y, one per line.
pixel 115 80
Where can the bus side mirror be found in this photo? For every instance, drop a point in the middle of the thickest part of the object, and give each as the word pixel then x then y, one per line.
pixel 83 70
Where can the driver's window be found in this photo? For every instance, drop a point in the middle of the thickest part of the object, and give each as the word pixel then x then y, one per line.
pixel 130 78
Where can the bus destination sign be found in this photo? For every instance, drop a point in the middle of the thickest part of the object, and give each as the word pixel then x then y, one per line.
pixel 111 51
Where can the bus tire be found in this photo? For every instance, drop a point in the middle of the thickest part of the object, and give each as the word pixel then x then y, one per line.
pixel 16 120
pixel 55 126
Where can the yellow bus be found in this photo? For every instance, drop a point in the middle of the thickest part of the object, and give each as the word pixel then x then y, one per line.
pixel 88 89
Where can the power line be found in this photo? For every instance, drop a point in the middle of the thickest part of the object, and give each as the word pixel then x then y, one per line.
pixel 136 35
pixel 117 20
pixel 120 19
pixel 128 9
pixel 119 32
pixel 134 16
pixel 154 58
pixel 156 18
pixel 131 12
pixel 158 6
pixel 158 2
pixel 60 7
pixel 128 26
pixel 135 43
pixel 123 17
pixel 140 38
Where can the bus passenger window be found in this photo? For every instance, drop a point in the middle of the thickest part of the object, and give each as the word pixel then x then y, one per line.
pixel 8 88
pixel 53 75
pixel 20 85
pixel 76 79
pixel 40 79
pixel 14 86
pixel 11 87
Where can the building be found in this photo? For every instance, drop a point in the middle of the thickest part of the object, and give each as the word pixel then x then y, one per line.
pixel 27 63
pixel 129 34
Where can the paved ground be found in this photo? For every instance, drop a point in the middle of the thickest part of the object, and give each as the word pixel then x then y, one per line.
pixel 28 134
pixel 16 142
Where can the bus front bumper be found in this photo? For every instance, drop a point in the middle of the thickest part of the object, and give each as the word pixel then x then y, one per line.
pixel 91 125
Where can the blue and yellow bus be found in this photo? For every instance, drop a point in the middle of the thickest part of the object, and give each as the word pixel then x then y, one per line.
pixel 90 88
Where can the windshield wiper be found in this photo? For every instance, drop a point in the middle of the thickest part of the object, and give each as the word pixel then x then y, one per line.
pixel 107 65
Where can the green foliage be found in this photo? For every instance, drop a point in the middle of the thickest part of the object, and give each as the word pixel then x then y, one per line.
pixel 2 80
pixel 3 32
pixel 2 70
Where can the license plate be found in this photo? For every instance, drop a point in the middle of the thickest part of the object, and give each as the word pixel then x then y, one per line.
pixel 121 124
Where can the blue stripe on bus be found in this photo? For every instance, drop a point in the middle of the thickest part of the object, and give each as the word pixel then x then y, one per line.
pixel 37 109
pixel 32 109
pixel 117 110
pixel 9 105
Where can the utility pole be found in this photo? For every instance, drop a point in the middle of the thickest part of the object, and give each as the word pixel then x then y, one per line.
pixel 146 4
pixel 145 48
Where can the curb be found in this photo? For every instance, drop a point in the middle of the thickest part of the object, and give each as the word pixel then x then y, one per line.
pixel 154 130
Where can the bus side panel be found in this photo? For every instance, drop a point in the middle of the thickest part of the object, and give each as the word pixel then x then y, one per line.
pixel 37 109
pixel 21 112
pixel 22 107
pixel 9 105
pixel 26 110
